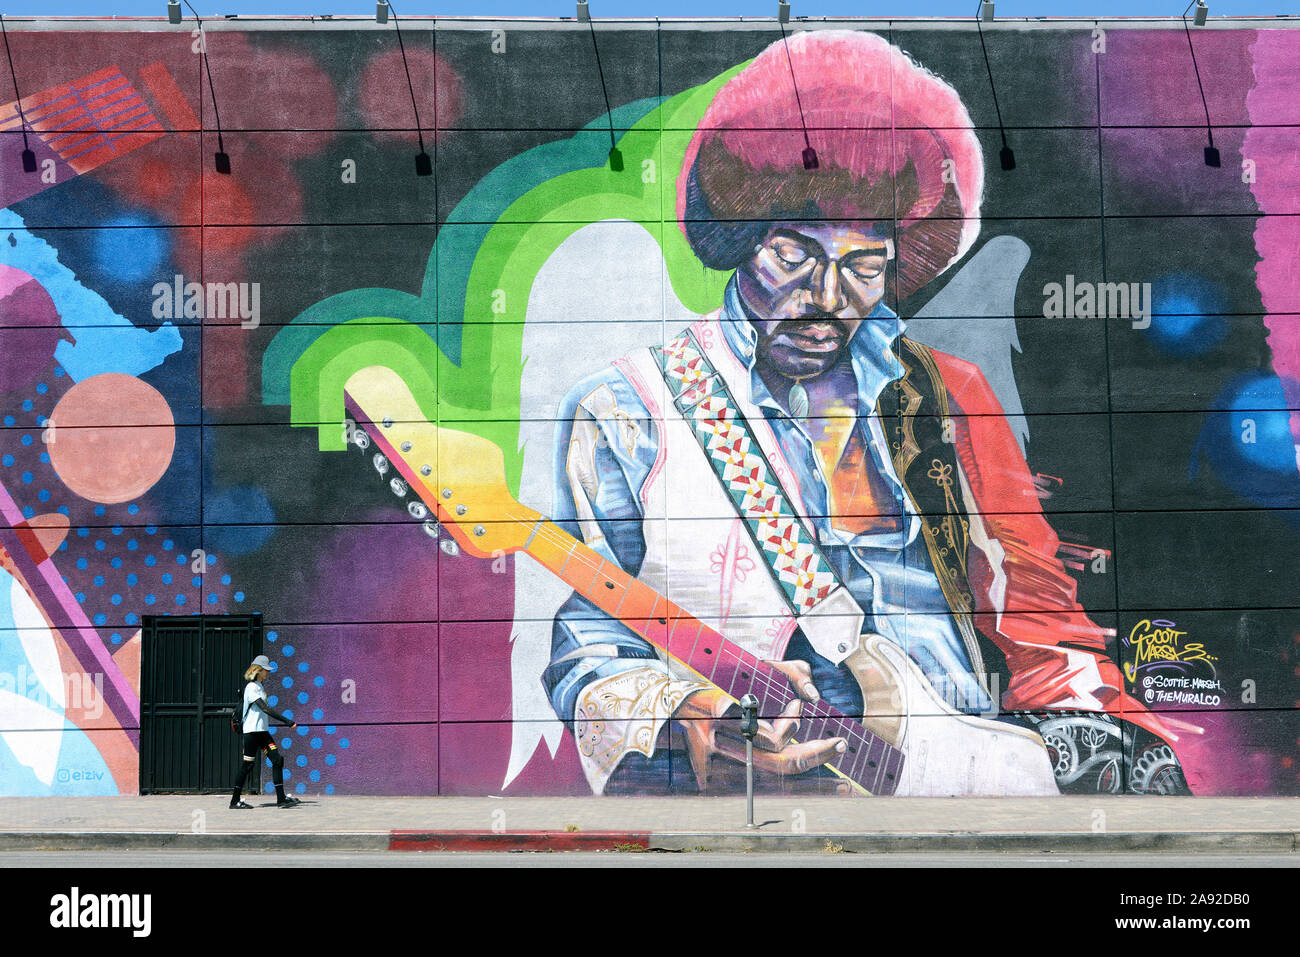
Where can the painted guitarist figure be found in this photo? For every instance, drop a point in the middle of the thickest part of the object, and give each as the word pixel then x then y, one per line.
pixel 898 457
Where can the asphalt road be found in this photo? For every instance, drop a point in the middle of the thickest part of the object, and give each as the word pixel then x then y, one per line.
pixel 344 859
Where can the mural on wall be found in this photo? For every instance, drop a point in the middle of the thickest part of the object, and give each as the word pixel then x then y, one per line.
pixel 982 481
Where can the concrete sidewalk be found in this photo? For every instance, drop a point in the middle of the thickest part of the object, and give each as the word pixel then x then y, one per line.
pixel 589 823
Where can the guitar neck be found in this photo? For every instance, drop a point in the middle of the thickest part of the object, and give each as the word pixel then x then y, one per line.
pixel 869 761
pixel 663 623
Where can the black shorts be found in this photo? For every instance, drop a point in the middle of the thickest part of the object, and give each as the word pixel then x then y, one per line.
pixel 255 741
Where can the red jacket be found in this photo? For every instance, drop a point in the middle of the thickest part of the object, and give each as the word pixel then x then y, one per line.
pixel 1025 602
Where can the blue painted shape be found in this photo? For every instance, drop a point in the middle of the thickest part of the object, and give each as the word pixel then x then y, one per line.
pixel 131 247
pixel 1259 406
pixel 1187 314
pixel 239 519
pixel 1248 444
pixel 105 341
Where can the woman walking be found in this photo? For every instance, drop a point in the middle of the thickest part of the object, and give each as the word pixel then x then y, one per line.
pixel 257 735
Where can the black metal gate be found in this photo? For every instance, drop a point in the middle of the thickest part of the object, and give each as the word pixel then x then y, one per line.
pixel 191 675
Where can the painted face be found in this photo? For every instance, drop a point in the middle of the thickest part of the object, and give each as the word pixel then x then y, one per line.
pixel 811 285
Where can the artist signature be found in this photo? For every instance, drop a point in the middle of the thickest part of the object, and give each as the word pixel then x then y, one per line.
pixel 1160 645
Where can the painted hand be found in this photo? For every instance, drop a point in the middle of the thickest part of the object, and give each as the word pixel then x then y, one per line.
pixel 717 749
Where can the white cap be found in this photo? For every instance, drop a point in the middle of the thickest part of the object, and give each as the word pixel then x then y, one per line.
pixel 262 662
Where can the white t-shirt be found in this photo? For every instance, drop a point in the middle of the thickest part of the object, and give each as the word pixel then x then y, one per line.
pixel 254 717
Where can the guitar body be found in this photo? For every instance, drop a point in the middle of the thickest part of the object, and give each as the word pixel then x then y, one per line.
pixel 949 754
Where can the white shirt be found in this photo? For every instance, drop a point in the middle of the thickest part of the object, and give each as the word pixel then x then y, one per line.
pixel 254 717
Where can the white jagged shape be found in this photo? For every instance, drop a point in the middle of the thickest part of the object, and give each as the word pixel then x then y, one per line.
pixel 33 732
pixel 38 643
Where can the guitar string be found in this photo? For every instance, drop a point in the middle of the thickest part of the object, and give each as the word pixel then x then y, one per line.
pixel 573 553
pixel 852 731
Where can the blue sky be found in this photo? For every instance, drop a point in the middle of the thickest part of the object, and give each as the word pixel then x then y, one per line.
pixel 654 8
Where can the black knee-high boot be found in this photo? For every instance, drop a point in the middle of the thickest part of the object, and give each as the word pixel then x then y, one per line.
pixel 239 782
pixel 277 776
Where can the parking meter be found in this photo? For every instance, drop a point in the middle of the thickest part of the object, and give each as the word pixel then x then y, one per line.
pixel 749 728
pixel 749 717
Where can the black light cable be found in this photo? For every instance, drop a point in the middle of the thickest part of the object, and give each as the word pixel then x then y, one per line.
pixel 615 157
pixel 423 164
pixel 29 157
pixel 220 159
pixel 1007 157
pixel 1211 152
pixel 809 154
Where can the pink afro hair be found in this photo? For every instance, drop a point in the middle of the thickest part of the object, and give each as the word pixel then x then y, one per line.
pixel 894 142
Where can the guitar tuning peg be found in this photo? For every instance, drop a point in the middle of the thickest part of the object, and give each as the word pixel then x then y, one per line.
pixel 450 547
pixel 381 463
pixel 360 439
pixel 399 487
pixel 417 510
pixel 430 528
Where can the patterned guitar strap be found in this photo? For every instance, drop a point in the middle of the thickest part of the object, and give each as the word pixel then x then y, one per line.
pixel 813 593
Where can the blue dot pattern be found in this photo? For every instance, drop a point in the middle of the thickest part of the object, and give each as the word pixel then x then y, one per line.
pixel 110 562
pixel 321 754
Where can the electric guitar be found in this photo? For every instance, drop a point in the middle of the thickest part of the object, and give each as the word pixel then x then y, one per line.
pixel 910 741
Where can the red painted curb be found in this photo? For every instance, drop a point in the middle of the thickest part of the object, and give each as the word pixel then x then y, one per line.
pixel 516 840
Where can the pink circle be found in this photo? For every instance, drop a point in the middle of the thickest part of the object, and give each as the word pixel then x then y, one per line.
pixel 386 99
pixel 111 438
